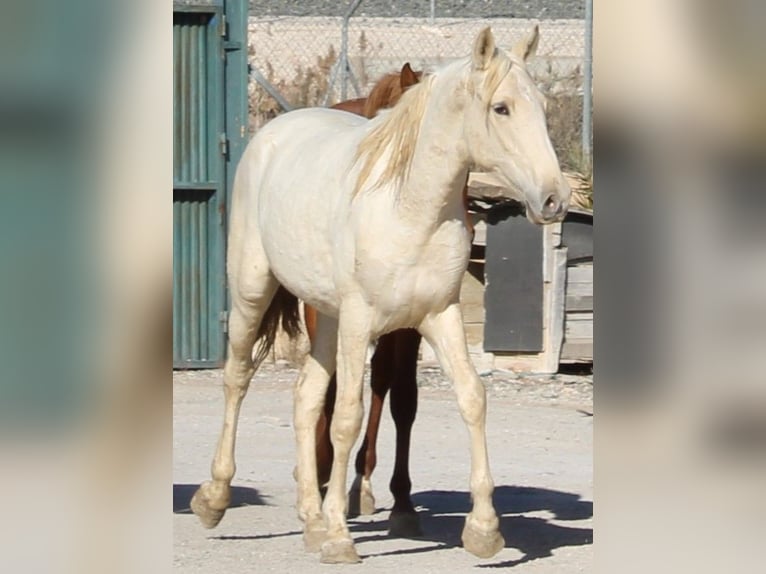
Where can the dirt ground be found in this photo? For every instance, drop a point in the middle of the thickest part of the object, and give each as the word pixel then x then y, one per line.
pixel 540 444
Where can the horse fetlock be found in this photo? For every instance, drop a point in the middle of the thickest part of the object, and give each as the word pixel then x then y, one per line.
pixel 481 542
pixel 210 502
pixel 339 551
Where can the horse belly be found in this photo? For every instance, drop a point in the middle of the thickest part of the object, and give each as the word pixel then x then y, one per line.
pixel 302 186
pixel 300 258
pixel 296 235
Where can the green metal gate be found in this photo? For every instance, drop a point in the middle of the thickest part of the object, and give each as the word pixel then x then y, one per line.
pixel 207 121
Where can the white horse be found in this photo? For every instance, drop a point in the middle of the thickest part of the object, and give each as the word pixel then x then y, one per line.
pixel 364 220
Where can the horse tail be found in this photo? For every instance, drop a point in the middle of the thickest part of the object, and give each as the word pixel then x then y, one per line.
pixel 283 310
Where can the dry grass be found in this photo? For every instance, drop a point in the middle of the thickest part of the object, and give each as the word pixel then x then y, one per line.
pixel 565 115
pixel 307 87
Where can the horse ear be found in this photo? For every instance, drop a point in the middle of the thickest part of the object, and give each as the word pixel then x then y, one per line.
pixel 483 49
pixel 527 47
pixel 407 77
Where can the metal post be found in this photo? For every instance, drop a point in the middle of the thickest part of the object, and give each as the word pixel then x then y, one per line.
pixel 587 101
pixel 344 68
pixel 343 58
pixel 433 11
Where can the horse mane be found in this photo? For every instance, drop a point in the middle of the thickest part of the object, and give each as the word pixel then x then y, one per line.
pixel 396 129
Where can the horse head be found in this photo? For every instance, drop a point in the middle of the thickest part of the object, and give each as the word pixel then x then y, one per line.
pixel 506 130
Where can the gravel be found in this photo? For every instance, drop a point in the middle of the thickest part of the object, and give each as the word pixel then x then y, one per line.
pixel 521 388
pixel 536 9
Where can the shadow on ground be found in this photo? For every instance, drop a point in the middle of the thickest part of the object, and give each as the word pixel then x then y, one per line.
pixel 442 514
pixel 240 496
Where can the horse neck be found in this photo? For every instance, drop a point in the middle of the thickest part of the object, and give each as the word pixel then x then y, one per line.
pixel 440 164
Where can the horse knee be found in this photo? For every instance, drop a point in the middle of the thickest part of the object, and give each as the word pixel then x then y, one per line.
pixel 472 402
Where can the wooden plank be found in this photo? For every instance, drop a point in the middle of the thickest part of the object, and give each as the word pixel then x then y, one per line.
pixel 473 311
pixel 579 289
pixel 586 317
pixel 580 273
pixel 576 302
pixel 474 335
pixel 577 328
pixel 472 299
pixel 551 241
pixel 480 233
pixel 554 311
pixel 577 350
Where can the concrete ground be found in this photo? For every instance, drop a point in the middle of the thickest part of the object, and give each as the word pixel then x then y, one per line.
pixel 540 444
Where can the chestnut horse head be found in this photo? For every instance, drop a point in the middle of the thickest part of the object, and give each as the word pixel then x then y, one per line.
pixel 384 94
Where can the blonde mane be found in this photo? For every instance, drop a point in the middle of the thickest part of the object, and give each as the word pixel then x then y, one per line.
pixel 397 130
pixel 399 127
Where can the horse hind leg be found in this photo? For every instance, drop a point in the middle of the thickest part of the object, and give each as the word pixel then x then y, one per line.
pixel 212 498
pixel 404 521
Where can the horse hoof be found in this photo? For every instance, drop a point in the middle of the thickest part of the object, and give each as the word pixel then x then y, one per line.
pixel 314 539
pixel 209 503
pixel 404 524
pixel 339 552
pixel 482 543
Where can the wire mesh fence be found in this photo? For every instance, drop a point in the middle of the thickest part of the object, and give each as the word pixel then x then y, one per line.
pixel 320 53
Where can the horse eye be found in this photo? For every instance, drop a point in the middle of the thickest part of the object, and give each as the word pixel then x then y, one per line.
pixel 501 109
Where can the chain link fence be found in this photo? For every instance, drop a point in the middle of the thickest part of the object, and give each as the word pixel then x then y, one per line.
pixel 319 53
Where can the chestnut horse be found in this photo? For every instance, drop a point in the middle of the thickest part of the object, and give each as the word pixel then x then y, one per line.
pixel 394 367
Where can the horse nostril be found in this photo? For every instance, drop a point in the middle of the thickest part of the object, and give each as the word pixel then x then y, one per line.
pixel 551 206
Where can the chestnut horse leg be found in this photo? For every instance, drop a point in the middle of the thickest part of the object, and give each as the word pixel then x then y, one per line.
pixel 324 450
pixel 394 367
pixel 404 521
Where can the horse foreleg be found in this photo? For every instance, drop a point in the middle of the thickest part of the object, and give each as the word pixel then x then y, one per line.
pixel 309 396
pixel 353 338
pixel 360 497
pixel 444 331
pixel 404 521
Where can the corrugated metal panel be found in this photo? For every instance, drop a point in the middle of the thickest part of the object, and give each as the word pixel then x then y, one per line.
pixel 199 192
pixel 191 85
